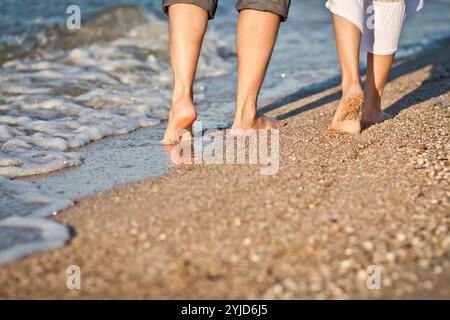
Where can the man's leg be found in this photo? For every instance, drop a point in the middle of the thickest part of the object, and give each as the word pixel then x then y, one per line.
pixel 256 35
pixel 187 26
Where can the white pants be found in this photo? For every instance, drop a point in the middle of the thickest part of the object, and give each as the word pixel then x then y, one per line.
pixel 380 22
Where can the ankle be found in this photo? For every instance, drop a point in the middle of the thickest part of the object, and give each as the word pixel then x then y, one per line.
pixel 181 100
pixel 372 103
pixel 370 109
pixel 246 112
pixel 183 106
pixel 182 93
pixel 351 88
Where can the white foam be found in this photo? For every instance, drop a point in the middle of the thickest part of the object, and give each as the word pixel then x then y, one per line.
pixel 68 99
pixel 50 235
pixel 23 227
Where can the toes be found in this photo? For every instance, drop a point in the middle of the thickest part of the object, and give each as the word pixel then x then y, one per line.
pixel 270 123
pixel 370 121
pixel 279 125
pixel 177 137
pixel 332 127
pixel 167 142
pixel 348 126
pixel 263 122
pixel 185 136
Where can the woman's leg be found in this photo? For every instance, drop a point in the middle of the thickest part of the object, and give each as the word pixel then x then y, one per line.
pixel 187 26
pixel 381 41
pixel 378 68
pixel 348 41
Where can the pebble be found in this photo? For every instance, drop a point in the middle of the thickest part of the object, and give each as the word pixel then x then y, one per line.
pixel 367 245
pixel 134 224
pixel 362 275
pixel 428 285
pixel 400 237
pixel 348 251
pixel 390 256
pixel 348 230
pixel 345 265
pixel 424 263
pixel 234 259
pixel 142 236
pixel 438 269
pixel 386 282
pixel 255 258
pixel 162 236
pixel 395 276
pixel 416 242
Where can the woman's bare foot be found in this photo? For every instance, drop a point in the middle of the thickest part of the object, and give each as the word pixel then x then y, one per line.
pixel 347 116
pixel 181 117
pixel 371 116
pixel 256 122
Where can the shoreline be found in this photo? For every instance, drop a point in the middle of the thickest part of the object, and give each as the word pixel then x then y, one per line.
pixel 338 204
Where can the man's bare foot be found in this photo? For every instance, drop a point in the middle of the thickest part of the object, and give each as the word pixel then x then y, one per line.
pixel 347 116
pixel 258 122
pixel 181 117
pixel 371 116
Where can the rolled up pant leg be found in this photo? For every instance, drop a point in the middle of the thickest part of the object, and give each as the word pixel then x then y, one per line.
pixel 383 27
pixel 208 5
pixel 279 7
pixel 380 21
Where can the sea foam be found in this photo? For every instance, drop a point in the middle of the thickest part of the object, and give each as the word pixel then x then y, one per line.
pixel 69 98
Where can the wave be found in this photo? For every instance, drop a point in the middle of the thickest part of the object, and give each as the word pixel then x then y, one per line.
pixel 103 27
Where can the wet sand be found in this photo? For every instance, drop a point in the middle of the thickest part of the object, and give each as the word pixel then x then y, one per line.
pixel 339 204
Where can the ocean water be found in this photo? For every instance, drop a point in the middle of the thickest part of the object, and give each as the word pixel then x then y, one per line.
pixel 71 102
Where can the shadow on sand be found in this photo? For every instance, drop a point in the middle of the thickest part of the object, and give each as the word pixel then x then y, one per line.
pixel 433 57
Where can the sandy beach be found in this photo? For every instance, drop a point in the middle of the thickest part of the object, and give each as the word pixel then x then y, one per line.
pixel 338 204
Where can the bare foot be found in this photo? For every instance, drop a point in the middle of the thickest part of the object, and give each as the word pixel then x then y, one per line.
pixel 369 116
pixel 258 122
pixel 181 117
pixel 347 116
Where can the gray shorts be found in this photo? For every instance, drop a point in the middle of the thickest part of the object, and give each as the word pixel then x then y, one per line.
pixel 280 7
